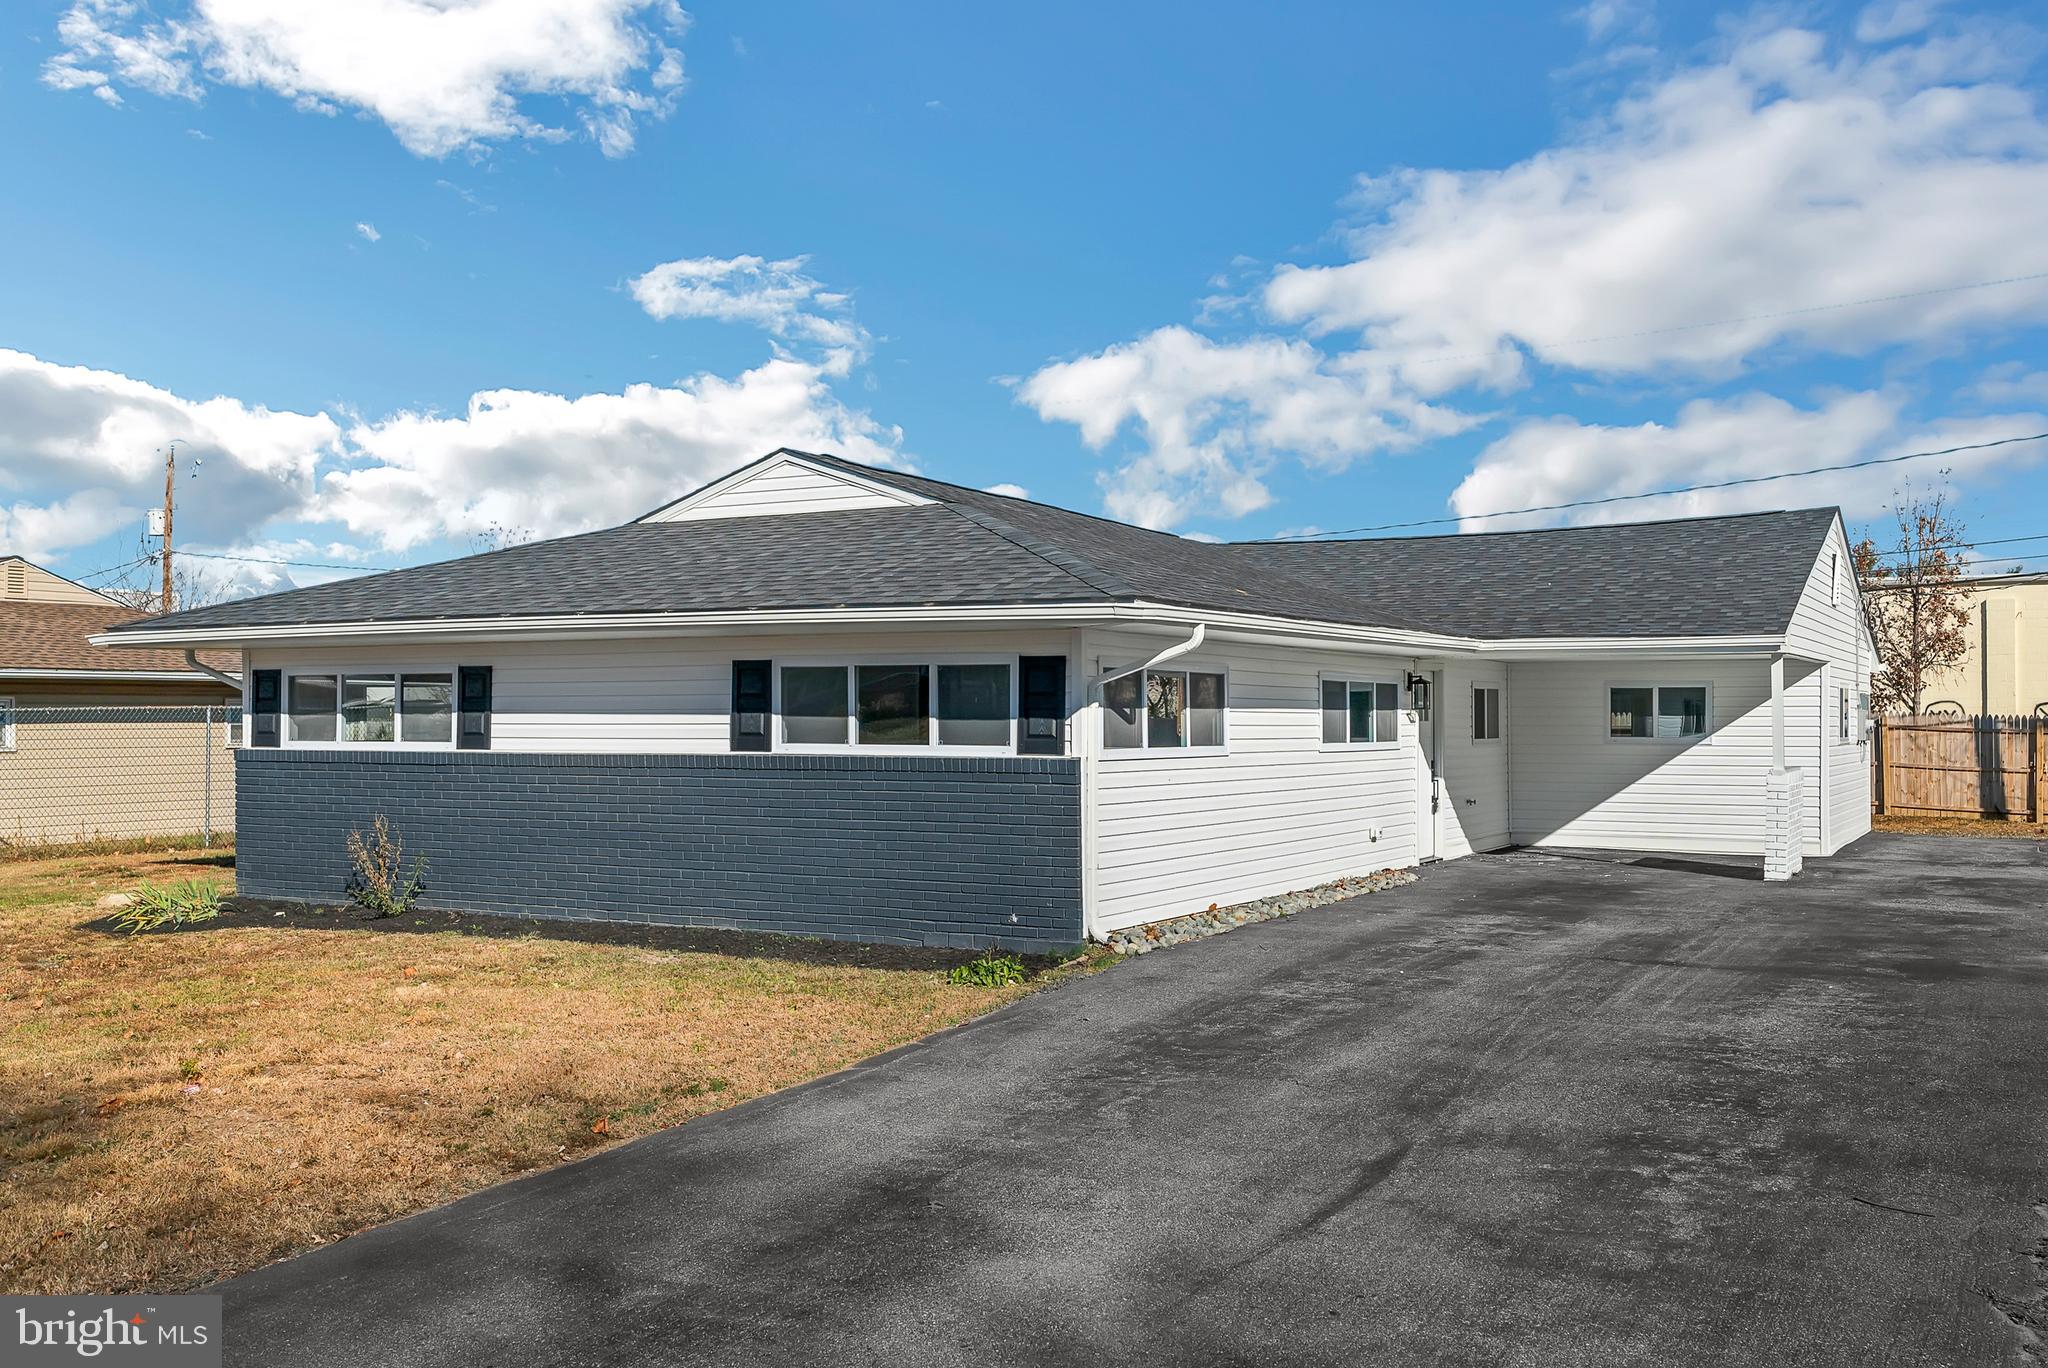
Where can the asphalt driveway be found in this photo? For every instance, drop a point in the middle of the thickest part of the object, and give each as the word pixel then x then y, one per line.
pixel 1537 1109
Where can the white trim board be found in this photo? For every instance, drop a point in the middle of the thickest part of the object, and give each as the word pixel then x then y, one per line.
pixel 782 482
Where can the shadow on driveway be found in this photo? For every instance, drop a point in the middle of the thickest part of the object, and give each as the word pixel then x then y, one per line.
pixel 1534 1110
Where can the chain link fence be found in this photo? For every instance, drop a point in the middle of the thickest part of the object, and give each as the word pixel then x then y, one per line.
pixel 76 775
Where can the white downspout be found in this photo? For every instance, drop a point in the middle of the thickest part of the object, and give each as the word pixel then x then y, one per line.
pixel 1179 648
pixel 192 659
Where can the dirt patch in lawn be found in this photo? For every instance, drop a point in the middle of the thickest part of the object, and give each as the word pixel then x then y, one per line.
pixel 1960 826
pixel 176 1107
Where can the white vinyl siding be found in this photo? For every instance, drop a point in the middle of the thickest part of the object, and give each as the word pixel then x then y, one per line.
pixel 787 487
pixel 1569 786
pixel 1178 831
pixel 1827 625
pixel 647 695
pixel 1474 815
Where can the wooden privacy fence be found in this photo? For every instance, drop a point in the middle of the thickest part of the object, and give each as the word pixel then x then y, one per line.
pixel 1968 766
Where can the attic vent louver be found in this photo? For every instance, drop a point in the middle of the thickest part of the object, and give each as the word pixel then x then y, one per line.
pixel 16 585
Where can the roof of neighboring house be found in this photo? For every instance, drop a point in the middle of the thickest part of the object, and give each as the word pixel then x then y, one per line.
pixel 1731 576
pixel 968 547
pixel 38 637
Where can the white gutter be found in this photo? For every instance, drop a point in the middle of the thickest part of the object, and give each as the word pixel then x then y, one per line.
pixel 132 676
pixel 232 681
pixel 572 626
pixel 1179 648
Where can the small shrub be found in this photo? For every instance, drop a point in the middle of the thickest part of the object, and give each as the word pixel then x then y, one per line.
pixel 989 969
pixel 380 884
pixel 156 906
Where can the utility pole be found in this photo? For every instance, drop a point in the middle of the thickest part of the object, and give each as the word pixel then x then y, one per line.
pixel 170 483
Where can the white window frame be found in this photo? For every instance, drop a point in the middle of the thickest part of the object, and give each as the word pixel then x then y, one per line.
pixel 1145 750
pixel 339 672
pixel 852 663
pixel 1657 686
pixel 6 724
pixel 1834 578
pixel 1500 714
pixel 1351 681
pixel 1845 712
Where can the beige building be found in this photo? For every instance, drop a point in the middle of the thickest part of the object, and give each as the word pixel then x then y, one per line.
pixel 99 743
pixel 2006 671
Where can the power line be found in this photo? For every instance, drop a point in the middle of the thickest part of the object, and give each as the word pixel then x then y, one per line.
pixel 1729 322
pixel 274 560
pixel 124 565
pixel 1972 545
pixel 1663 493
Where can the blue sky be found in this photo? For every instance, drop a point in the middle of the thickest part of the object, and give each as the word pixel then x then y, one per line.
pixel 397 280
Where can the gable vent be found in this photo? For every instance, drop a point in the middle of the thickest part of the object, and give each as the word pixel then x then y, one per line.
pixel 16 583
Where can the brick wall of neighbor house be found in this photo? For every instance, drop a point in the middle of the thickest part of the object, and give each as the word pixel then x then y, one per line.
pixel 906 850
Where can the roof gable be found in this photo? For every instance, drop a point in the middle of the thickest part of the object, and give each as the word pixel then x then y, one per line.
pixel 783 482
pixel 23 581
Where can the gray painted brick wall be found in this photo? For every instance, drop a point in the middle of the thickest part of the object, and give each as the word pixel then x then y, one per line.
pixel 908 850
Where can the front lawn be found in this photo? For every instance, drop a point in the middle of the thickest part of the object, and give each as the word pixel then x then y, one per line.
pixel 176 1107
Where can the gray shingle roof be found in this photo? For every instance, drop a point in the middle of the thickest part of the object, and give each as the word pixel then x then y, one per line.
pixel 1710 576
pixel 1732 576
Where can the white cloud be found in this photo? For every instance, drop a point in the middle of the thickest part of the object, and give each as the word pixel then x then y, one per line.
pixel 84 459
pixel 444 75
pixel 1560 460
pixel 554 464
pixel 1213 415
pixel 2011 382
pixel 775 296
pixel 1013 491
pixel 1887 20
pixel 1775 179
pixel 369 232
pixel 98 438
pixel 1762 185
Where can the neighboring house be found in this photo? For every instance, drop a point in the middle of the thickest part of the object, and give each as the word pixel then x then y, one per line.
pixel 98 742
pixel 823 698
pixel 2005 673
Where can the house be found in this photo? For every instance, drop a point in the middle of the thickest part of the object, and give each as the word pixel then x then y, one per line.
pixel 98 742
pixel 819 697
pixel 2005 673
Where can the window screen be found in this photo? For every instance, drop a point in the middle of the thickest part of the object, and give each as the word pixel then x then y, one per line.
pixel 1166 701
pixel 814 705
pixel 974 705
pixel 311 705
pixel 1205 709
pixel 1336 712
pixel 1121 729
pixel 426 708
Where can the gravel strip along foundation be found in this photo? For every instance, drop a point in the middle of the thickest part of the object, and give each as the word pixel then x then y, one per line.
pixel 1137 940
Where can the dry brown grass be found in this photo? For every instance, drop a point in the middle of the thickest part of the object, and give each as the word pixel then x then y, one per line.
pixel 1960 826
pixel 177 1107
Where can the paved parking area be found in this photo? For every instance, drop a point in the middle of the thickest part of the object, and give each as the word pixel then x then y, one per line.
pixel 1538 1109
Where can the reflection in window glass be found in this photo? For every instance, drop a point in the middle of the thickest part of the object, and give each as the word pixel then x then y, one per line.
pixel 1386 712
pixel 1120 729
pixel 1205 709
pixel 311 706
pixel 369 708
pixel 814 705
pixel 1336 712
pixel 974 705
pixel 894 705
pixel 1361 712
pixel 1682 710
pixel 1628 712
pixel 1166 700
pixel 426 708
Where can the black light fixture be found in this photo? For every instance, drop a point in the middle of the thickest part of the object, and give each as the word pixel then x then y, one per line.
pixel 1418 696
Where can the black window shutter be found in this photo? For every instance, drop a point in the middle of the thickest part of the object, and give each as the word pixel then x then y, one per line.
pixel 1042 706
pixel 265 689
pixel 752 700
pixel 474 733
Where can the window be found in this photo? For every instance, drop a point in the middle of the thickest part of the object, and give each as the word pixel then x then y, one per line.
pixel 6 724
pixel 1844 712
pixel 1164 710
pixel 1485 713
pixel 913 704
pixel 1361 711
pixel 1659 712
pixel 894 705
pixel 1834 577
pixel 371 708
